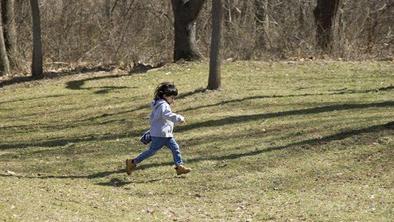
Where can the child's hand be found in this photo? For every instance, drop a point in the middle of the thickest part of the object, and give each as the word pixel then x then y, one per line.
pixel 182 120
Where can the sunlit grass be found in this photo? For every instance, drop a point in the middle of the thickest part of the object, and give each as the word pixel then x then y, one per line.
pixel 280 141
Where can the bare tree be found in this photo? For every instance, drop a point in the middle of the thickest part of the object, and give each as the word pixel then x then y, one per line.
pixel 107 9
pixel 9 29
pixel 185 14
pixel 79 31
pixel 4 63
pixel 262 23
pixel 214 61
pixel 36 67
pixel 325 13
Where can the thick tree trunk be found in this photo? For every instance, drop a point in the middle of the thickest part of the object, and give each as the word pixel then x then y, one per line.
pixel 325 13
pixel 214 62
pixel 185 14
pixel 4 63
pixel 9 29
pixel 36 67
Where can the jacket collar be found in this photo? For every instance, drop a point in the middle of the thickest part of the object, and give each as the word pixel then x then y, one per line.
pixel 157 103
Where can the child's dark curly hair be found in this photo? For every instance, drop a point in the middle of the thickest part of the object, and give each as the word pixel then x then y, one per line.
pixel 165 89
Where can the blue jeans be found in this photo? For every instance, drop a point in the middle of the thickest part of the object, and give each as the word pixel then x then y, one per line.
pixel 157 144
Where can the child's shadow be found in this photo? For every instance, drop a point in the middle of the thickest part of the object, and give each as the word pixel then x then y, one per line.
pixel 115 182
pixel 120 182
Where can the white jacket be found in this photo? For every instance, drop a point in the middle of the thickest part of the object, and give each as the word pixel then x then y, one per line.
pixel 162 119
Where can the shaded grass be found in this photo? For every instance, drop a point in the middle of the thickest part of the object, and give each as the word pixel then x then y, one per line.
pixel 281 141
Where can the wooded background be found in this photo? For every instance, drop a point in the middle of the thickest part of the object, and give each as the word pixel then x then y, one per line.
pixel 125 32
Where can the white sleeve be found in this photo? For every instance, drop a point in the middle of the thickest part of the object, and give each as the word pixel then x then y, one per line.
pixel 169 115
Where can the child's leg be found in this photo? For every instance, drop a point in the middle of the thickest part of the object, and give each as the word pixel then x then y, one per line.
pixel 176 152
pixel 157 144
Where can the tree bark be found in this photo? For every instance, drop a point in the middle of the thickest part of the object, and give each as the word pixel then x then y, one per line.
pixel 214 80
pixel 4 63
pixel 261 23
pixel 9 29
pixel 107 9
pixel 324 14
pixel 36 67
pixel 185 15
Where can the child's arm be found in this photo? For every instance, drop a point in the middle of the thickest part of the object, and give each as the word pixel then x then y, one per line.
pixel 169 115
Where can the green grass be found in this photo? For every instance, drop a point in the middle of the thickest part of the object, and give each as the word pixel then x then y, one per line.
pixel 281 141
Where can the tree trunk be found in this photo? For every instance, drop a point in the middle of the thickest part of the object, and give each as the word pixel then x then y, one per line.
pixel 227 14
pixel 325 13
pixel 301 16
pixel 262 24
pixel 9 29
pixel 36 67
pixel 185 15
pixel 4 63
pixel 214 61
pixel 107 9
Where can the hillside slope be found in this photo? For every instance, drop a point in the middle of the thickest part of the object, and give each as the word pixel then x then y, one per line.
pixel 281 141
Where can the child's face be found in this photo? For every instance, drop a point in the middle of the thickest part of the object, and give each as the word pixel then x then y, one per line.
pixel 169 99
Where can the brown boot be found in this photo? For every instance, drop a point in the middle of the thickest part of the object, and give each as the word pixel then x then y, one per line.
pixel 182 170
pixel 130 166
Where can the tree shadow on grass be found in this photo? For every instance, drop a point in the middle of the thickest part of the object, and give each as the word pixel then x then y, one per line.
pixel 34 98
pixel 301 144
pixel 253 117
pixel 324 140
pixel 187 94
pixel 336 92
pixel 210 123
pixel 99 116
pixel 90 176
pixel 141 107
pixel 78 84
pixel 53 75
pixel 114 182
pixel 64 142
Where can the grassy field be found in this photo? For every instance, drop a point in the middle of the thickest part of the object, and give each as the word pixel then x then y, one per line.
pixel 284 141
